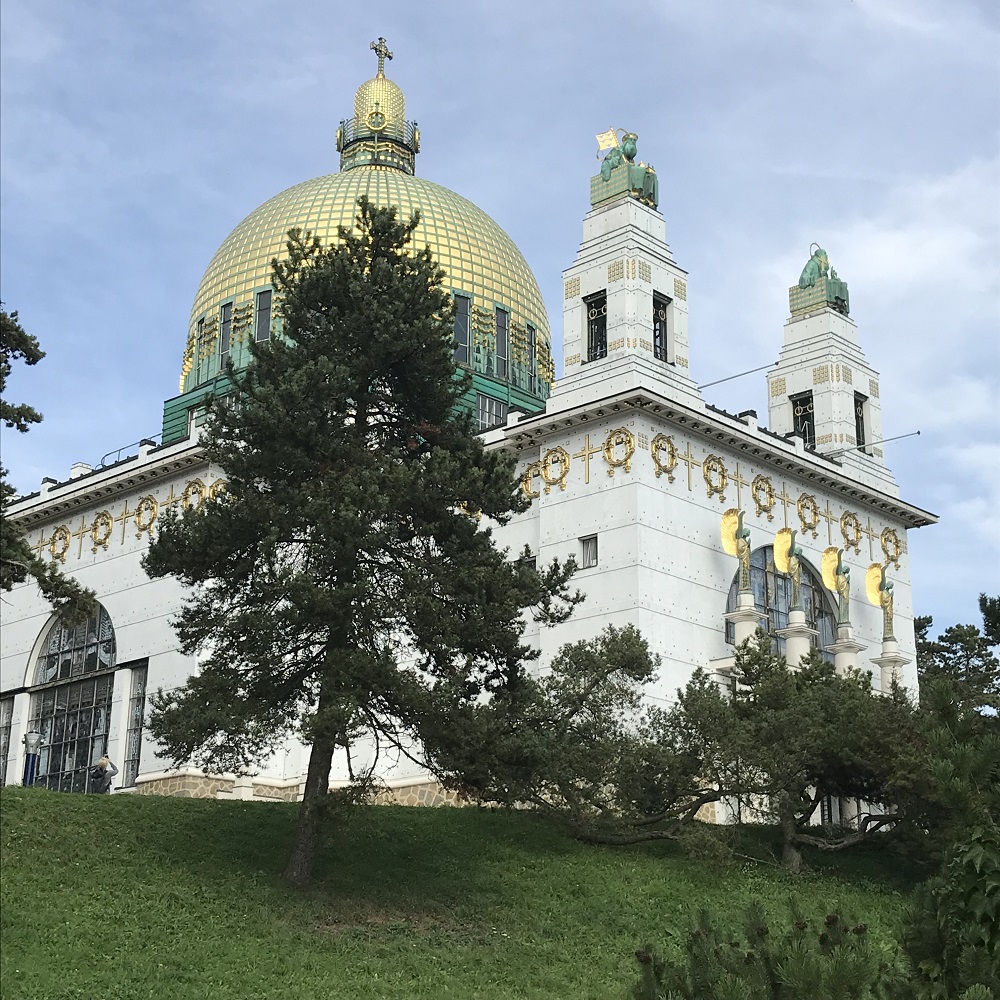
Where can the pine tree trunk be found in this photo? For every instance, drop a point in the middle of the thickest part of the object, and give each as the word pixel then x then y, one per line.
pixel 299 870
pixel 791 857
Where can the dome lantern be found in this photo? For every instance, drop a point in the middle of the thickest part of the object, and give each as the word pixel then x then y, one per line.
pixel 378 134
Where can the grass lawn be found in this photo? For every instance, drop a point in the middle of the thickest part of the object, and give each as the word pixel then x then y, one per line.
pixel 127 896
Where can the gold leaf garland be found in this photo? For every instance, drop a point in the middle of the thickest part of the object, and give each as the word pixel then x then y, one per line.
pixel 713 471
pixel 663 442
pixel 850 528
pixel 59 543
pixel 146 512
pixel 619 436
pixel 555 457
pixel 808 513
pixel 762 492
pixel 100 530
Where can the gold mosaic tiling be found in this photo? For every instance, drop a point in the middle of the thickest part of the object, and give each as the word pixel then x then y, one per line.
pixel 478 257
pixel 572 288
pixel 680 289
pixel 777 387
pixel 821 373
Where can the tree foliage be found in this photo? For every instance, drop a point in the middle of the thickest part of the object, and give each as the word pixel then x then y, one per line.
pixel 347 582
pixel 18 562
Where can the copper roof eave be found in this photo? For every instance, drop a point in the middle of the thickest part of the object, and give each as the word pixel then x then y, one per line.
pixel 767 447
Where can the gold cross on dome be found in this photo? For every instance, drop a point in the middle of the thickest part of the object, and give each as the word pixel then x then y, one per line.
pixel 586 456
pixel 382 51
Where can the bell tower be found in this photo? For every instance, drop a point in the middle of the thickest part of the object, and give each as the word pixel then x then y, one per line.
pixel 822 389
pixel 625 298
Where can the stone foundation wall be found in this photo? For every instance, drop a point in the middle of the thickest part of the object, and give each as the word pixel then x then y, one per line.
pixel 423 794
pixel 287 793
pixel 184 786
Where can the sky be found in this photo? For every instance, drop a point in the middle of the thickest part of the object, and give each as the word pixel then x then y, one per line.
pixel 135 136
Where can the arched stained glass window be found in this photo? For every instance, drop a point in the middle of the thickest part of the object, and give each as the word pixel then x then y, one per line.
pixel 772 594
pixel 74 650
pixel 71 701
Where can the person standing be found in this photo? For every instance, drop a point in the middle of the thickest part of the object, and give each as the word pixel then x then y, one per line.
pixel 102 776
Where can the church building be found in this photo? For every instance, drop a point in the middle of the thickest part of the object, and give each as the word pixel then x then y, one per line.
pixel 693 524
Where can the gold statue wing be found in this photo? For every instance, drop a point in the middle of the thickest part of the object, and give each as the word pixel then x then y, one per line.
pixel 730 522
pixel 873 580
pixel 782 549
pixel 831 557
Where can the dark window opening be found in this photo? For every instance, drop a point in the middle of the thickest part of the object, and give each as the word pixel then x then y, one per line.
pixel 532 348
pixel 199 349
pixel 588 551
pixel 6 722
pixel 503 326
pixel 859 419
pixel 661 312
pixel 463 307
pixel 597 325
pixel 133 732
pixel 262 321
pixel 804 415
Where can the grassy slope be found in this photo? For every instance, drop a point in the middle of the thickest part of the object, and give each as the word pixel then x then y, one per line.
pixel 126 897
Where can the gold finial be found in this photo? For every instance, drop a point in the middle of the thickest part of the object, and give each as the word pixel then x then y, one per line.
pixel 382 51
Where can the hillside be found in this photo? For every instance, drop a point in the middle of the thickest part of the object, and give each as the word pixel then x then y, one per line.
pixel 127 897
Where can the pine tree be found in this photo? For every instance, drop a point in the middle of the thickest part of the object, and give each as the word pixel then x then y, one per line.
pixel 17 561
pixel 347 581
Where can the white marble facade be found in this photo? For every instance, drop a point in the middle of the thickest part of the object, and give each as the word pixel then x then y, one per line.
pixel 627 453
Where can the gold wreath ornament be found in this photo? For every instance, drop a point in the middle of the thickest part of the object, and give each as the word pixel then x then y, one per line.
pixel 619 436
pixel 146 512
pixel 555 457
pixel 100 530
pixel 891 546
pixel 714 466
pixel 762 492
pixel 217 489
pixel 661 443
pixel 59 543
pixel 850 528
pixel 533 471
pixel 808 513
pixel 195 487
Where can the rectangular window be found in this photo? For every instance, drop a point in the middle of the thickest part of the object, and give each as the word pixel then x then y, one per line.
pixel 262 320
pixel 490 412
pixel 661 314
pixel 532 349
pixel 6 721
pixel 133 733
pixel 859 419
pixel 503 326
pixel 74 720
pixel 463 308
pixel 225 332
pixel 597 325
pixel 804 416
pixel 588 551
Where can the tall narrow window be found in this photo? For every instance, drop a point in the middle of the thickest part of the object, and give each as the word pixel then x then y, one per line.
pixel 6 721
pixel 804 416
pixel 859 419
pixel 503 328
pixel 490 412
pixel 463 306
pixel 225 333
pixel 588 551
pixel 199 350
pixel 532 349
pixel 262 319
pixel 661 313
pixel 71 705
pixel 597 325
pixel 133 734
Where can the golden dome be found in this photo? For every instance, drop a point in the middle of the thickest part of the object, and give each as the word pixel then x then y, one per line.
pixel 479 259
